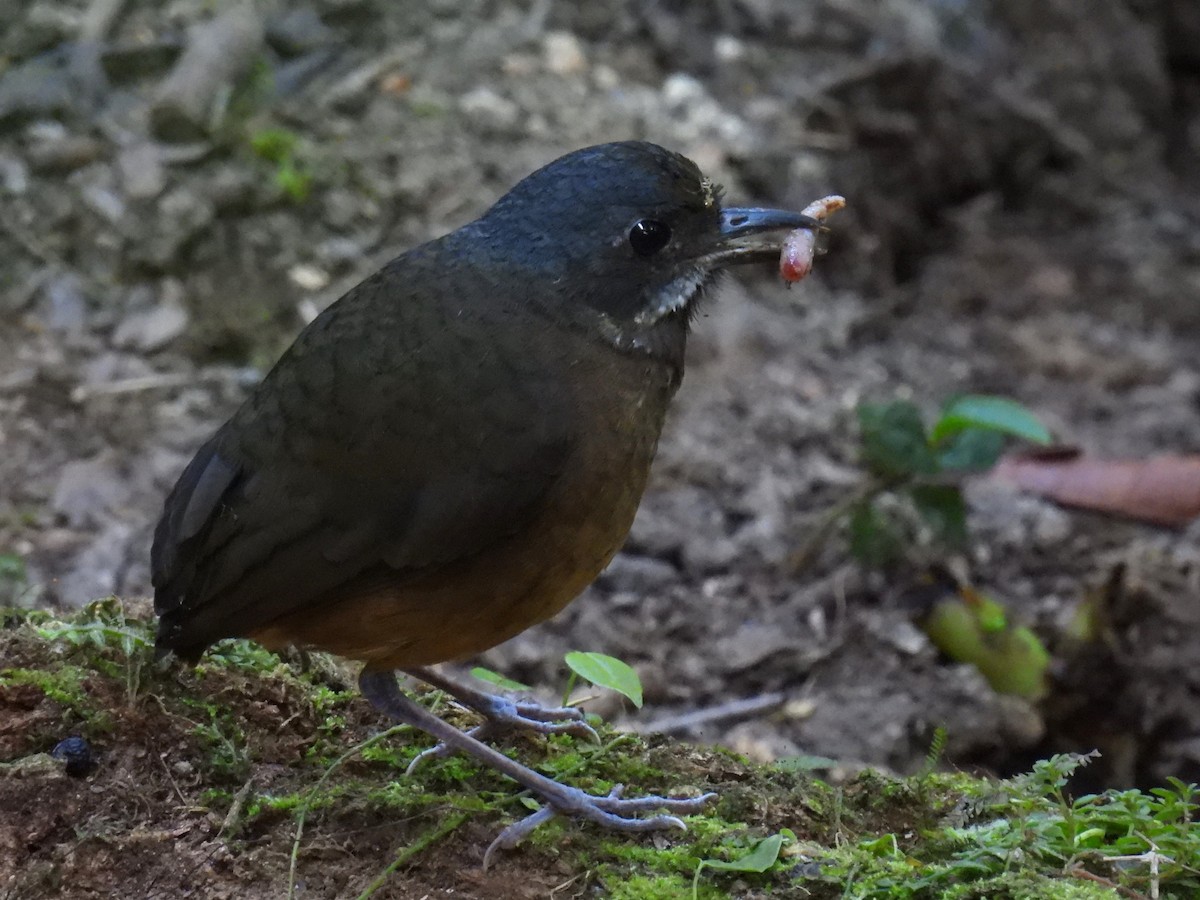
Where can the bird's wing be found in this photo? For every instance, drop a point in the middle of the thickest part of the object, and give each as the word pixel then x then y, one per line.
pixel 389 433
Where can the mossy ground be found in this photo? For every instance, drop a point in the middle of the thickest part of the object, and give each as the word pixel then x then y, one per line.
pixel 202 775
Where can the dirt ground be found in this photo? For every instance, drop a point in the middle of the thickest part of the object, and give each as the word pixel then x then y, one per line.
pixel 1024 220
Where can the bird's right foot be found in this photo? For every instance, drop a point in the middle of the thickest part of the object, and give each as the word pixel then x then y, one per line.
pixel 502 716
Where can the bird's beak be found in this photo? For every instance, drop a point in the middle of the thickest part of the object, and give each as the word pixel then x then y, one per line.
pixel 752 234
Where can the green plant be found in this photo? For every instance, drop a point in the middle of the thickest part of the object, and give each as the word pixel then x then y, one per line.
pixel 603 671
pixel 1029 828
pixel 914 473
pixel 14 581
pixel 103 625
pixel 293 170
pixel 598 668
pixel 762 857
pixel 968 626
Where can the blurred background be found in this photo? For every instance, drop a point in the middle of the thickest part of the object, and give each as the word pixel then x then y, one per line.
pixel 184 184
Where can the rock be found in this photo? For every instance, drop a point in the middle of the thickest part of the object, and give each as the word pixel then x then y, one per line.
pixel 182 214
pixel 36 28
pixel 129 60
pixel 76 756
pixel 638 575
pixel 141 170
pixel 152 329
pixel 104 201
pixel 61 155
pixel 39 87
pixel 295 32
pixel 219 52
pixel 14 175
pixel 95 570
pixel 89 490
pixel 704 555
pixel 39 765
pixel 562 53
pixel 338 252
pixel 63 307
pixel 234 190
pixel 109 367
pixel 490 110
pixel 308 277
pixel 750 645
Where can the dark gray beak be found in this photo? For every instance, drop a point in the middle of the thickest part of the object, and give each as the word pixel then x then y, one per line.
pixel 752 234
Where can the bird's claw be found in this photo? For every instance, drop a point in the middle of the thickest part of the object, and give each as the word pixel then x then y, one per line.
pixel 612 811
pixel 503 716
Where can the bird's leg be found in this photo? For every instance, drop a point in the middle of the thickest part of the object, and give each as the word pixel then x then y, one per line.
pixel 611 811
pixel 501 715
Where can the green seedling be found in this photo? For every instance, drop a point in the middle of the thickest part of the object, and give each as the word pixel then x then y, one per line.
pixel 973 628
pixel 603 671
pixel 762 857
pixel 495 678
pixel 293 171
pixel 915 473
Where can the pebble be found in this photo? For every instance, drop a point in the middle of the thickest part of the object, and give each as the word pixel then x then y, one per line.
pixel 137 59
pixel 638 575
pixel 14 174
pixel 751 645
pixel 92 569
pixel 703 554
pixel 336 252
pixel 76 754
pixel 490 110
pixel 308 277
pixel 563 54
pixel 151 329
pixel 105 202
pixel 61 155
pixel 182 214
pixel 64 307
pixel 142 173
pixel 297 31
pixel 88 490
pixel 37 87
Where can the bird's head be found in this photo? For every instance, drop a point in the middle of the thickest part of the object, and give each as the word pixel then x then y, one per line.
pixel 623 239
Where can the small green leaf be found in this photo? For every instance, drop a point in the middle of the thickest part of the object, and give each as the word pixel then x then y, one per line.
pixel 883 846
pixel 12 568
pixel 1011 658
pixel 761 858
pixel 970 450
pixel 874 541
pixel 991 413
pixel 273 144
pixel 893 440
pixel 943 509
pixel 505 684
pixel 606 672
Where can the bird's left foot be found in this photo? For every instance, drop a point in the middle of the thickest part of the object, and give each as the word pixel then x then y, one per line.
pixel 612 811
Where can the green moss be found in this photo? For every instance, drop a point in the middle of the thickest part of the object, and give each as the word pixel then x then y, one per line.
pixel 620 885
pixel 66 685
pixel 933 836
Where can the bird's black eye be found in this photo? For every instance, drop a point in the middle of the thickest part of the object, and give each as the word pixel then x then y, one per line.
pixel 649 236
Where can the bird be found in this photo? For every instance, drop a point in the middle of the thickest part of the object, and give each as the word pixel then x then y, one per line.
pixel 452 451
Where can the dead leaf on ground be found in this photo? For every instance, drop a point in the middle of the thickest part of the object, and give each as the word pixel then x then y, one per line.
pixel 1163 490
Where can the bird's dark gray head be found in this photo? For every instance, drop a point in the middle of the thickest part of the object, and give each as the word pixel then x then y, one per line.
pixel 623 238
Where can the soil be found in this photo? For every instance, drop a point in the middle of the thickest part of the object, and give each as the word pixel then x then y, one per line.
pixel 1023 220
